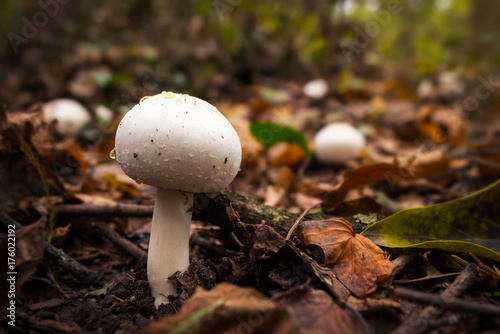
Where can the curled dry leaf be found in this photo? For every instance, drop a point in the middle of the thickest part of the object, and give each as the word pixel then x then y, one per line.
pixel 285 154
pixel 360 177
pixel 442 125
pixel 358 263
pixel 26 131
pixel 392 173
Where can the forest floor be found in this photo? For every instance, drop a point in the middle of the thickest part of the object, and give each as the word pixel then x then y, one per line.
pixel 245 275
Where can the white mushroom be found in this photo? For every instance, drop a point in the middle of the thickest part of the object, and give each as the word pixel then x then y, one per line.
pixel 337 142
pixel 316 89
pixel 71 116
pixel 104 115
pixel 181 145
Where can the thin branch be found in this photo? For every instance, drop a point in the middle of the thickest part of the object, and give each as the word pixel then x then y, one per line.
pixel 451 304
pixel 128 246
pixel 297 221
pixel 119 210
pixel 78 270
pixel 207 207
pixel 467 278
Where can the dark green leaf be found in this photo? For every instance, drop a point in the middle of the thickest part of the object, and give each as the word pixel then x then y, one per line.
pixel 469 224
pixel 269 134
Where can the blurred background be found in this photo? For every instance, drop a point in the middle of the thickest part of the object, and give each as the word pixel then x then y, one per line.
pixel 116 52
pixel 416 81
pixel 411 76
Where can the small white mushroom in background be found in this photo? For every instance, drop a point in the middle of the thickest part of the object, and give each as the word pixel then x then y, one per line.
pixel 316 89
pixel 450 83
pixel 425 88
pixel 71 116
pixel 181 145
pixel 337 143
pixel 104 115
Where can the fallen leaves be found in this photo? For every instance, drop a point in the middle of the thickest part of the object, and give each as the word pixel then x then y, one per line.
pixel 228 308
pixel 360 177
pixel 314 311
pixel 27 131
pixel 358 263
pixel 392 173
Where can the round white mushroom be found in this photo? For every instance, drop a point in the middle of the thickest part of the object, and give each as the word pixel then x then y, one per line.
pixel 181 145
pixel 316 89
pixel 104 115
pixel 337 143
pixel 71 116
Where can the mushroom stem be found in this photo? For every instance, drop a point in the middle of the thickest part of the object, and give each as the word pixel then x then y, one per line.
pixel 169 242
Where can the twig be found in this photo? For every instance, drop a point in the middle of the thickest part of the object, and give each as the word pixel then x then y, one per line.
pixel 119 210
pixel 404 258
pixel 46 325
pixel 82 273
pixel 464 280
pixel 119 240
pixel 425 278
pixel 210 246
pixel 297 221
pixel 78 270
pixel 236 240
pixel 485 162
pixel 450 303
pixel 209 208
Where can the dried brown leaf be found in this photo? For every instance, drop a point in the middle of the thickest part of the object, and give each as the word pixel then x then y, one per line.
pixel 227 308
pixel 358 263
pixel 392 173
pixel 263 239
pixel 314 311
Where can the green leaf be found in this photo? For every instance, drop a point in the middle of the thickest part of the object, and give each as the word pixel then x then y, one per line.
pixel 469 224
pixel 269 134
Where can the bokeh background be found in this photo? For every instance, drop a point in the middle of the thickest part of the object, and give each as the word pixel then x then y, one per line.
pixel 418 79
pixel 412 71
pixel 116 52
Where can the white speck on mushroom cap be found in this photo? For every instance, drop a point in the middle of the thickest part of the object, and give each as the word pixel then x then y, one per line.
pixel 199 137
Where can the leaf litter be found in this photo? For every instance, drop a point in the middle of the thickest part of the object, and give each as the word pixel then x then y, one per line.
pixel 311 283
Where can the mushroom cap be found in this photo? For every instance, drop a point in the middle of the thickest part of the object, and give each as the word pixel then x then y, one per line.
pixel 179 142
pixel 337 142
pixel 71 116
